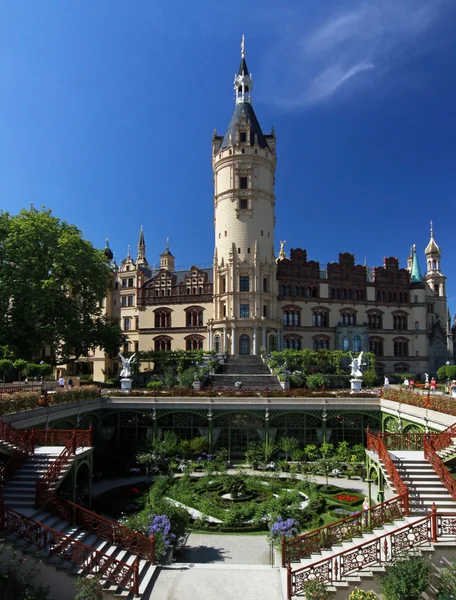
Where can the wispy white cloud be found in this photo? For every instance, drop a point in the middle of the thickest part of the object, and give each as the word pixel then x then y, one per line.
pixel 352 47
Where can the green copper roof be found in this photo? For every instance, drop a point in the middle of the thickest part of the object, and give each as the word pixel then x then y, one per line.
pixel 416 272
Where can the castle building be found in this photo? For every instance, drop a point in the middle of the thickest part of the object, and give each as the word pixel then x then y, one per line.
pixel 251 298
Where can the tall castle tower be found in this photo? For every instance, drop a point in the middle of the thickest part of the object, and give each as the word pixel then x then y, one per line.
pixel 243 162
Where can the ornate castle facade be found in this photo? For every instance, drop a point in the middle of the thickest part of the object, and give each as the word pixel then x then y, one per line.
pixel 252 298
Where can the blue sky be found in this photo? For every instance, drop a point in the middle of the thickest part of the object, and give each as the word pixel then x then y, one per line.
pixel 107 110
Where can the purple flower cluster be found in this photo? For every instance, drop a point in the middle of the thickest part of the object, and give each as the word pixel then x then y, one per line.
pixel 161 527
pixel 205 456
pixel 287 527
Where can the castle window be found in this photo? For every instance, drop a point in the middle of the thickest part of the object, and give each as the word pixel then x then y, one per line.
pixel 243 183
pixel 291 317
pixel 243 204
pixel 401 347
pixel 261 232
pixel 242 150
pixel 127 323
pixel 345 344
pixel 163 318
pixel 123 301
pixel 226 233
pixel 347 317
pixel 244 282
pixel 194 342
pixel 321 343
pixel 356 343
pixel 376 346
pixel 417 324
pixel 239 250
pixel 194 317
pixel 223 285
pixel 375 320
pixel 244 311
pixel 243 136
pixel 320 318
pixel 162 344
pixel 399 321
pixel 265 310
pixel 256 151
pixel 130 300
pixel 292 343
pixel 265 285
pixel 124 283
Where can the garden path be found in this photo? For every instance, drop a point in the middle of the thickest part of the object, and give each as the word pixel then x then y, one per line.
pixel 356 485
pixel 224 582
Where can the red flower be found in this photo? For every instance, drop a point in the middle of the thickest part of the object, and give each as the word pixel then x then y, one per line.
pixel 346 497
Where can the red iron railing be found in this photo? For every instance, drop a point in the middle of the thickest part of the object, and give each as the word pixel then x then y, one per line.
pixel 44 484
pixel 375 444
pixel 345 529
pixel 22 438
pixel 55 542
pixel 439 466
pixel 380 550
pixel 104 528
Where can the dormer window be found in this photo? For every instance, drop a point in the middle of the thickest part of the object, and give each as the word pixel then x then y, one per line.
pixel 243 135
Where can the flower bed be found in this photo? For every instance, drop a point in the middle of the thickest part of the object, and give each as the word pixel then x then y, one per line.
pixel 443 404
pixel 347 498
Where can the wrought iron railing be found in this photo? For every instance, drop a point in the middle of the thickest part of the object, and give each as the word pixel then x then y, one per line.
pixel 380 550
pixel 376 444
pixel 55 542
pixel 21 438
pixel 439 466
pixel 105 528
pixel 304 545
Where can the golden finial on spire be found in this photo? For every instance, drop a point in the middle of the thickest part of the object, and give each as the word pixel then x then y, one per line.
pixel 243 46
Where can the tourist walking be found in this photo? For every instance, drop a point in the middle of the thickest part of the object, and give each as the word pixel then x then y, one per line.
pixel 61 382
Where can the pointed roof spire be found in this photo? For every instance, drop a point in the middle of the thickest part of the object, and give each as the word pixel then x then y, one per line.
pixel 243 80
pixel 415 276
pixel 432 247
pixel 128 252
pixel 141 238
pixel 243 69
pixel 107 251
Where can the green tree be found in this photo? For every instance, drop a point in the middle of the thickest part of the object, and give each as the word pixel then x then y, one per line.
pixel 288 445
pixel 20 365
pixel 53 286
pixel 343 452
pixel 5 367
pixel 326 450
pixel 199 445
pixel 407 579
pixel 311 451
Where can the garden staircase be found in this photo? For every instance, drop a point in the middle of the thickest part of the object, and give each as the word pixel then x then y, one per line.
pixel 346 553
pixel 248 370
pixel 62 533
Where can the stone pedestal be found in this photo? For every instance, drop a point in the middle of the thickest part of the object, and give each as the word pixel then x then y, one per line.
pixel 285 384
pixel 125 385
pixel 196 385
pixel 355 385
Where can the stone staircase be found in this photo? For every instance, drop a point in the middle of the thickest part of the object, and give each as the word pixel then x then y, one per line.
pixel 423 482
pixel 19 494
pixel 249 370
pixel 341 589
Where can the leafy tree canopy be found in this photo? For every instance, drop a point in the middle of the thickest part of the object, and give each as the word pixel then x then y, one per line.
pixel 52 286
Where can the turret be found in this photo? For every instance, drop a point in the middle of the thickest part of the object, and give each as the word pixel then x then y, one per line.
pixel 141 259
pixel 244 164
pixel 434 277
pixel 167 259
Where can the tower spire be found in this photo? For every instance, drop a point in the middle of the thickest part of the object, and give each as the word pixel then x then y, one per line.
pixel 141 256
pixel 243 80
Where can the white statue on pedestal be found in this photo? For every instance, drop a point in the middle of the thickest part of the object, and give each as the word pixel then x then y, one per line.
pixel 355 365
pixel 126 365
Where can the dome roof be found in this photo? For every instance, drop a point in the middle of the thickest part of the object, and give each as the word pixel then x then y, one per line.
pixel 432 247
pixel 108 252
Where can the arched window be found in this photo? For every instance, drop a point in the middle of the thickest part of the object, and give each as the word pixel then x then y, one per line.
pixel 320 318
pixel 401 347
pixel 163 318
pixel 194 342
pixel 376 346
pixel 345 344
pixel 291 317
pixel 375 320
pixel 347 317
pixel 356 343
pixel 400 321
pixel 321 343
pixel 217 343
pixel 272 342
pixel 194 316
pixel 294 343
pixel 162 343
